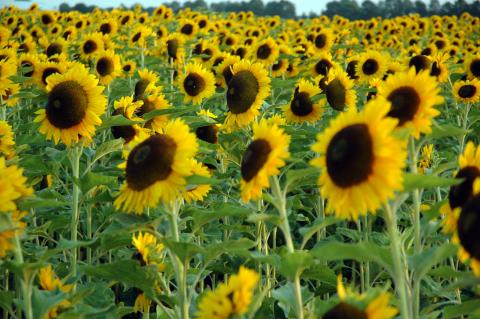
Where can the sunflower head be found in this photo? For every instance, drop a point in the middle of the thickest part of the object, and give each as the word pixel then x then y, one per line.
pixel 107 66
pixel 304 106
pixel 196 83
pixel 467 91
pixel 339 90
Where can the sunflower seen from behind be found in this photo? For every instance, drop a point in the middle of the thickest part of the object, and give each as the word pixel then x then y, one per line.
pixel 412 97
pixel 196 83
pixel 156 169
pixel 263 158
pixel 247 89
pixel 361 162
pixel 339 90
pixel 74 106
pixel 305 104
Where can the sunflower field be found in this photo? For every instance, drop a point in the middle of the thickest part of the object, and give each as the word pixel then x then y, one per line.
pixel 222 165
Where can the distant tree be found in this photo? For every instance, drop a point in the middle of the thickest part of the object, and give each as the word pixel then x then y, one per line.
pixel 282 8
pixel 64 7
pixel 421 8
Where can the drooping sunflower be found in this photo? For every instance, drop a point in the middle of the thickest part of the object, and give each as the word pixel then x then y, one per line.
pixel 339 90
pixel 472 66
pixel 467 91
pixel 155 101
pixel 371 64
pixel 354 306
pixel 157 167
pixel 412 97
pixel 146 84
pixel 263 158
pixel 196 83
pixel 354 187
pixel 198 192
pixel 247 89
pixel 107 66
pixel 420 63
pixel 439 68
pixel 175 43
pixel 75 104
pixel 302 107
pixel 91 44
pixel 460 194
pixel 130 133
pixel 7 144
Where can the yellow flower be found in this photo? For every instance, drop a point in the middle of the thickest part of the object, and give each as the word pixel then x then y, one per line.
pixel 12 186
pixel 142 304
pixel 148 248
pixel 425 158
pixel 7 143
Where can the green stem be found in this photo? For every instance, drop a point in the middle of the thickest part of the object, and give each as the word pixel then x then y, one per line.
pixel 181 270
pixel 75 162
pixel 3 114
pixel 398 262
pixel 26 291
pixel 280 203
pixel 89 233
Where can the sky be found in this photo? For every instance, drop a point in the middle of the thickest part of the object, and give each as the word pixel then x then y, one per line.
pixel 303 6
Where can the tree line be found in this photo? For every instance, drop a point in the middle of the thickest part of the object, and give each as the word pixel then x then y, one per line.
pixel 350 9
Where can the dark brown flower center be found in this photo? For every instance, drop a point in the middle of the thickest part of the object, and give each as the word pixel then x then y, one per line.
pixel 264 51
pixel 46 19
pixel 194 84
pixel 345 311
pixel 320 41
pixel 172 48
pixel 405 103
pixel 254 158
pixel 127 67
pixel 370 66
pixel 67 104
pixel 227 73
pixel 420 62
pixel 350 156
pixel 242 92
pixel 140 88
pixel 89 47
pixel 301 104
pixel 435 70
pixel 150 161
pixel 54 48
pixel 106 28
pixel 323 66
pixel 461 193
pixel 47 72
pixel 352 73
pixel 208 133
pixel 105 66
pixel 136 37
pixel 467 91
pixel 475 68
pixel 336 95
pixel 187 29
pixel 468 226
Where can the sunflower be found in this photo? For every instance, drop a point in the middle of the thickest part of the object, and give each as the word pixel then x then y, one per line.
pixel 208 133
pixel 148 249
pixel 155 101
pixel 107 66
pixel 129 67
pixel 412 98
pixel 8 233
pixel 7 70
pixel 91 44
pixel 45 70
pixel 146 84
pixel 323 64
pixel 196 83
pixel 75 104
pixel 198 192
pixel 50 282
pixel 139 36
pixel 323 40
pixel 354 187
pixel 460 194
pixel 188 28
pixel 246 91
pixel 420 62
pixel 175 47
pixel 339 90
pixel 265 51
pixel 28 62
pixel 467 91
pixel 371 64
pixel 302 107
pixel 263 158
pixel 142 304
pixel 12 186
pixel 229 299
pixel 472 66
pixel 57 46
pixel 157 167
pixel 10 97
pixel 280 66
pixel 439 68
pixel 110 27
pixel 224 69
pixel 130 133
pixel 354 306
pixel 7 144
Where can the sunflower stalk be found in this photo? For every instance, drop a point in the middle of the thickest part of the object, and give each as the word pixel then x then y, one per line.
pixel 399 262
pixel 280 203
pixel 181 268
pixel 26 287
pixel 76 153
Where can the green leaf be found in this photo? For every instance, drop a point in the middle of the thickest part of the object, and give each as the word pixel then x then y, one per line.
pixel 91 180
pixel 65 244
pixel 175 111
pixel 43 300
pixel 202 180
pixel 128 272
pixel 364 252
pixel 424 261
pixel 184 251
pixel 203 216
pixel 234 247
pixel 302 177
pixel 446 130
pixel 418 181
pixel 107 148
pixel 318 225
pixel 116 120
pixel 466 308
pixel 38 202
pixel 6 300
pixel 293 264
